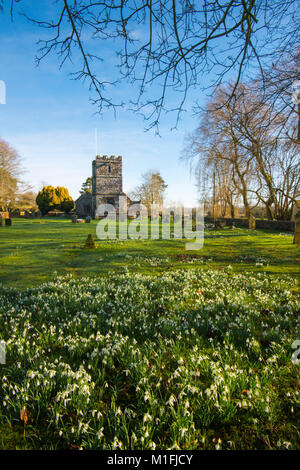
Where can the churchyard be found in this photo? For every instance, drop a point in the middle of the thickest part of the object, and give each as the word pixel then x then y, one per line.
pixel 33 251
pixel 149 342
pixel 140 344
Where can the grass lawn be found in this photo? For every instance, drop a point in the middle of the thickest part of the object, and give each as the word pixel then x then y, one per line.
pixel 144 345
pixel 32 251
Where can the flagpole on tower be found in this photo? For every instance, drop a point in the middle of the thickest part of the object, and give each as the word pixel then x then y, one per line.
pixel 96 141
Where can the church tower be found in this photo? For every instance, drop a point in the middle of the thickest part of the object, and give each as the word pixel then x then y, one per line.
pixel 107 181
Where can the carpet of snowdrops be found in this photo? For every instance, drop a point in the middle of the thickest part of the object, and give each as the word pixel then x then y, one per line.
pixel 188 360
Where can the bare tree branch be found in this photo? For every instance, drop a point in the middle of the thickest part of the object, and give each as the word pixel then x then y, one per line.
pixel 167 46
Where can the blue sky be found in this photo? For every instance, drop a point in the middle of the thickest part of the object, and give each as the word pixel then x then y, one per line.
pixel 49 119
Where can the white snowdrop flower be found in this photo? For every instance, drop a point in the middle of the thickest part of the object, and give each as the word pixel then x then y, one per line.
pixel 286 444
pixel 60 433
pixel 100 434
pixel 147 396
pixel 152 445
pixel 117 444
pixel 183 431
pixel 175 446
pixel 147 417
pixel 171 400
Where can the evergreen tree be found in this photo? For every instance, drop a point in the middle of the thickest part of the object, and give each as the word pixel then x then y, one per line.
pixel 86 187
pixel 50 198
pixel 47 199
pixel 66 203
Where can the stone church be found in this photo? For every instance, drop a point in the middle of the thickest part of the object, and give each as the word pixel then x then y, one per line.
pixel 107 186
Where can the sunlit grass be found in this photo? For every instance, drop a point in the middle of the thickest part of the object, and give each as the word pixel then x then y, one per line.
pixel 31 251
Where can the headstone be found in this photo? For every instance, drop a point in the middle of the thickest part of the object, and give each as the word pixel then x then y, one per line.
pixel 252 222
pixel 88 219
pixel 219 224
pixel 8 222
pixel 1 221
pixel 90 243
pixel 74 219
pixel 296 240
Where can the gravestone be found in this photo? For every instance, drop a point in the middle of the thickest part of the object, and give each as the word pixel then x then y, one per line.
pixel 90 243
pixel 1 221
pixel 296 240
pixel 219 224
pixel 252 222
pixel 8 222
pixel 74 219
pixel 88 219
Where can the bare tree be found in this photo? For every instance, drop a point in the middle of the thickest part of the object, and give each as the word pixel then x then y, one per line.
pixel 277 90
pixel 26 200
pixel 10 170
pixel 283 168
pixel 152 189
pixel 167 45
pixel 14 192
pixel 241 134
pixel 219 142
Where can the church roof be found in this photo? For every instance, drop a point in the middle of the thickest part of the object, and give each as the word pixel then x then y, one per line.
pixel 85 195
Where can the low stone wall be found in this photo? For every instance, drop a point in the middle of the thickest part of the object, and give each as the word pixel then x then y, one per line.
pixel 281 225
